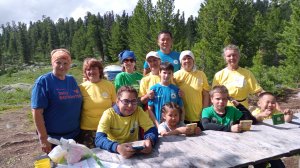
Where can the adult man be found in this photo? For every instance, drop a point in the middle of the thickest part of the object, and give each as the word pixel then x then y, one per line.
pixel 165 41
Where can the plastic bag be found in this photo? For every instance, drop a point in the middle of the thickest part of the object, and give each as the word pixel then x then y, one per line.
pixel 69 152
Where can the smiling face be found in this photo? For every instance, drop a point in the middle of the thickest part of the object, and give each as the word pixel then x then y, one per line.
pixel 219 101
pixel 267 102
pixel 171 116
pixel 60 67
pixel 93 74
pixel 164 42
pixel 128 65
pixel 232 58
pixel 154 63
pixel 187 63
pixel 127 103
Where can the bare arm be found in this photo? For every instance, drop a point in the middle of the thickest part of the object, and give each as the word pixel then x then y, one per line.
pixel 38 119
pixel 151 114
pixel 146 97
pixel 205 98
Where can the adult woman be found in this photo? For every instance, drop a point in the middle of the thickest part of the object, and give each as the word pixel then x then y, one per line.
pixel 239 81
pixel 194 85
pixel 98 95
pixel 128 77
pixel 56 102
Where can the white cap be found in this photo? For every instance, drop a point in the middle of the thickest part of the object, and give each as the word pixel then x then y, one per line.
pixel 186 52
pixel 152 54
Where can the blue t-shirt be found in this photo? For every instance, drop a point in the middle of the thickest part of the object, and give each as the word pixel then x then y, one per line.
pixel 61 101
pixel 172 57
pixel 163 95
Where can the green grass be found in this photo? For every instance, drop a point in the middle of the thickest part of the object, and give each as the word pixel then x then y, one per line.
pixel 22 97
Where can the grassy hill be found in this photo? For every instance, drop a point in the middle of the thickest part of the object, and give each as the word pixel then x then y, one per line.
pixel 29 75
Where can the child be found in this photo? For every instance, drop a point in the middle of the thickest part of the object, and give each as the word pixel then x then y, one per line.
pixel 164 92
pixel 267 106
pixel 171 125
pixel 119 125
pixel 219 116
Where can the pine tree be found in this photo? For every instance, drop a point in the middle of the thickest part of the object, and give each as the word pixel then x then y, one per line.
pixel 23 44
pixel 141 38
pixel 289 47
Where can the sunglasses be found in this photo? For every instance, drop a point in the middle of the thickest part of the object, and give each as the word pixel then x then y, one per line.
pixel 128 60
pixel 126 102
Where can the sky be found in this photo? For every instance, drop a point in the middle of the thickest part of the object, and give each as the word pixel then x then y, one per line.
pixel 33 10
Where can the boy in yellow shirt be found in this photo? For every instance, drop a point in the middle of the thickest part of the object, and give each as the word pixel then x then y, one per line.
pixel 267 106
pixel 119 125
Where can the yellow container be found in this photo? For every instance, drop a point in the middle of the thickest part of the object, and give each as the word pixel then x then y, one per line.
pixel 42 163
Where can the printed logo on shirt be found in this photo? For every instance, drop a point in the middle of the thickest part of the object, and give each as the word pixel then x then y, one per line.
pixel 105 95
pixel 134 127
pixel 175 62
pixel 173 95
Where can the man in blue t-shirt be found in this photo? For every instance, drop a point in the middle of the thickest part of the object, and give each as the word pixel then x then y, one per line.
pixel 165 41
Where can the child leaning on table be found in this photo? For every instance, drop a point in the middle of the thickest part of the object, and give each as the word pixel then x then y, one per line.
pixel 221 117
pixel 119 125
pixel 171 125
pixel 267 106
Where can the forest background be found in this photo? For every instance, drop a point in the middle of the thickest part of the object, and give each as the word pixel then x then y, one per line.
pixel 267 32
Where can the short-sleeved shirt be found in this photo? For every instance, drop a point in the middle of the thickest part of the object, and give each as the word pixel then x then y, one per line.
pixel 147 82
pixel 172 57
pixel 257 111
pixel 232 115
pixel 163 95
pixel 164 126
pixel 128 79
pixel 192 84
pixel 97 97
pixel 240 83
pixel 61 101
pixel 123 129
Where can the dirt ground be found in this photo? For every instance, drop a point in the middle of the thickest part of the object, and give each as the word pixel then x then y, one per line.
pixel 19 145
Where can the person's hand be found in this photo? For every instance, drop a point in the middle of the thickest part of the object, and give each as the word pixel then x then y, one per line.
pixel 185 130
pixel 197 131
pixel 164 133
pixel 287 112
pixel 180 93
pixel 266 113
pixel 125 150
pixel 236 128
pixel 148 146
pixel 150 94
pixel 46 146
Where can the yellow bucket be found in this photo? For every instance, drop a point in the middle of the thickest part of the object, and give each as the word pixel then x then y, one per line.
pixel 42 163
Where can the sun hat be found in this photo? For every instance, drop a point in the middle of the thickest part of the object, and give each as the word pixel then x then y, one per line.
pixel 126 54
pixel 152 54
pixel 186 52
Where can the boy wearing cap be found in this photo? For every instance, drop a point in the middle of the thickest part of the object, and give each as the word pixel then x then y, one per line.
pixel 165 41
pixel 151 79
pixel 129 77
pixel 195 86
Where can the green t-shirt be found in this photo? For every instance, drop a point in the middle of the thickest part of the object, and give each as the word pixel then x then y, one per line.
pixel 128 79
pixel 232 115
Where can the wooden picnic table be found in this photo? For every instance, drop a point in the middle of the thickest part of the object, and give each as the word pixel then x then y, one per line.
pixel 263 142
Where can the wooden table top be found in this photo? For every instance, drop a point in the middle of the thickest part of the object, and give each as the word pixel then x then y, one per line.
pixel 263 142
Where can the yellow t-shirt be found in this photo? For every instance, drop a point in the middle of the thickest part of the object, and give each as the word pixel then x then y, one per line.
pixel 97 97
pixel 124 129
pixel 257 111
pixel 192 84
pixel 147 82
pixel 240 83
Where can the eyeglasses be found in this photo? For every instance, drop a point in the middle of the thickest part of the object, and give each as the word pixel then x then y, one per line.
pixel 126 102
pixel 128 60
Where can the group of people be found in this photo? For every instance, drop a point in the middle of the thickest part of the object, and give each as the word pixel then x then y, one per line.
pixel 171 93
